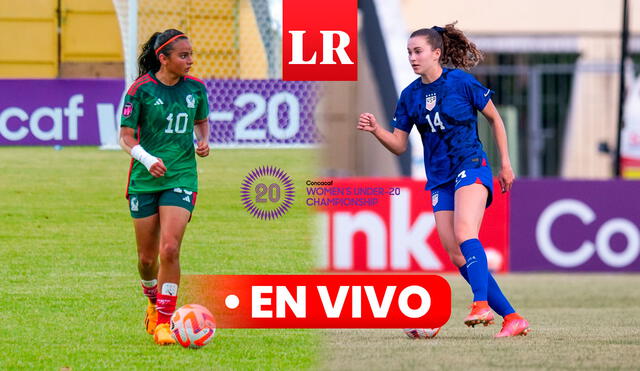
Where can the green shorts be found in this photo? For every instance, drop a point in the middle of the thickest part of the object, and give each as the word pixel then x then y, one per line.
pixel 142 205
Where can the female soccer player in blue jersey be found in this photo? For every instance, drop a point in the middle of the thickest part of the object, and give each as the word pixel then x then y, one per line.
pixel 162 110
pixel 442 104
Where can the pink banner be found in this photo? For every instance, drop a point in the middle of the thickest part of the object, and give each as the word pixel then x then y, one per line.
pixel 386 224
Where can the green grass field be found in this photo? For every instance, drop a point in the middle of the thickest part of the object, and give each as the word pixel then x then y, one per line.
pixel 70 296
pixel 579 321
pixel 70 293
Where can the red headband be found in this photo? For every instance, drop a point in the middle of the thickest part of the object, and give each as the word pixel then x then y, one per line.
pixel 168 42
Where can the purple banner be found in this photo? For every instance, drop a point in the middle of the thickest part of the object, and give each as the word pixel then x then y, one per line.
pixel 262 112
pixel 575 225
pixel 83 112
pixel 63 112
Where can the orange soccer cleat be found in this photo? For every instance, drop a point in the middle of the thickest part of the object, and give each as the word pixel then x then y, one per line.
pixel 513 327
pixel 162 335
pixel 480 314
pixel 151 318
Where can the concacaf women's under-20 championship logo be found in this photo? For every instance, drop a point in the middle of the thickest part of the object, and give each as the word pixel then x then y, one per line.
pixel 267 192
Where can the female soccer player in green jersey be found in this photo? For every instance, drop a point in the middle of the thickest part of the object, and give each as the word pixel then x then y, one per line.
pixel 162 110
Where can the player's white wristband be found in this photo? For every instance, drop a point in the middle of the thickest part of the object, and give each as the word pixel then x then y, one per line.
pixel 143 156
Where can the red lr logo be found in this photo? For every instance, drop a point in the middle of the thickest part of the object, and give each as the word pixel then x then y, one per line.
pixel 320 40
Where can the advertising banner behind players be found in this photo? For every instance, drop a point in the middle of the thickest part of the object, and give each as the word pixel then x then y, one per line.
pixel 249 113
pixel 262 113
pixel 58 112
pixel 386 224
pixel 575 226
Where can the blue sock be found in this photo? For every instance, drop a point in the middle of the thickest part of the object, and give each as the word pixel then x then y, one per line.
pixel 477 268
pixel 497 301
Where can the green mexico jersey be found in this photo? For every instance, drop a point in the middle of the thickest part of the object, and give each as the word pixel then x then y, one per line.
pixel 163 118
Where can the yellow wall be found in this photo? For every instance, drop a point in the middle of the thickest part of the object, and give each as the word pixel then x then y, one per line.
pixel 224 34
pixel 30 38
pixel 209 25
pixel 89 31
pixel 253 58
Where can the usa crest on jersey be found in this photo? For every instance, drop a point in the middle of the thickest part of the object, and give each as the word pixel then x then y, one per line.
pixel 430 101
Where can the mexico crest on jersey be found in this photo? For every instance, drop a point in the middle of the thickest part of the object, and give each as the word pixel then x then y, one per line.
pixel 191 101
pixel 431 101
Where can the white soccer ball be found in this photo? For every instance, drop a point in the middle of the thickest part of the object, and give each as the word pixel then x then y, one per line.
pixel 193 326
pixel 421 333
pixel 495 260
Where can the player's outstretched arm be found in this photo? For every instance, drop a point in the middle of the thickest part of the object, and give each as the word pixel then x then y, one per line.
pixel 395 142
pixel 201 129
pixel 505 176
pixel 130 145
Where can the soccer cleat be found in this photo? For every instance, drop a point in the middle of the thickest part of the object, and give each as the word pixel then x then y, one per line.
pixel 514 327
pixel 150 318
pixel 480 314
pixel 162 335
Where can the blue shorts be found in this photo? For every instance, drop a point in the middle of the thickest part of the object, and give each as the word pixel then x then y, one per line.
pixel 442 196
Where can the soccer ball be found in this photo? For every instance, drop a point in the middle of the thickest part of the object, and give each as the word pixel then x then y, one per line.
pixel 494 259
pixel 193 326
pixel 421 333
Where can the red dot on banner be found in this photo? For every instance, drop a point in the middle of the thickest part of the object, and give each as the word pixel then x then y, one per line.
pixel 232 301
pixel 414 301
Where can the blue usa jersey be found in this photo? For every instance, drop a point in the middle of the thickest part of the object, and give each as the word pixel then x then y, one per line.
pixel 445 112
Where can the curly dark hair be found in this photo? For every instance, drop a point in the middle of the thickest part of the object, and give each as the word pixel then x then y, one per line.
pixel 457 49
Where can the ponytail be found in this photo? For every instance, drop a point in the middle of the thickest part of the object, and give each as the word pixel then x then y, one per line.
pixel 456 48
pixel 158 43
pixel 148 61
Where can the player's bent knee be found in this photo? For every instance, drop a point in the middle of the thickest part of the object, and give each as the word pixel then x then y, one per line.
pixel 169 252
pixel 464 234
pixel 146 261
pixel 455 255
